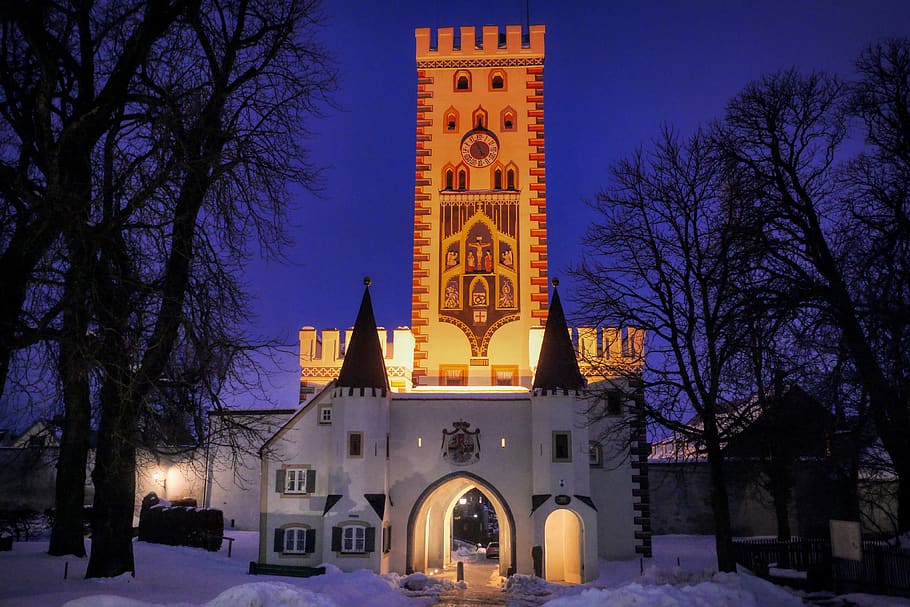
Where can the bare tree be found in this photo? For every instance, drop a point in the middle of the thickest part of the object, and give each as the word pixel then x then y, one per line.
pixel 781 136
pixel 63 74
pixel 661 259
pixel 224 101
pixel 143 198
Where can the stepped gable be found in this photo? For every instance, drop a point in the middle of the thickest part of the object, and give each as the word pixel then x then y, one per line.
pixel 557 367
pixel 364 365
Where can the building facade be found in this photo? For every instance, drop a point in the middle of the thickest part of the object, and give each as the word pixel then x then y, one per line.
pixel 483 392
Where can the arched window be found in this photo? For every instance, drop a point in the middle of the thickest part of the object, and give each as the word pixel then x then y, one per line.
pixel 450 179
pixel 462 180
pixel 479 118
pixel 510 179
pixel 462 81
pixel 497 179
pixel 507 119
pixel 451 120
pixel 497 82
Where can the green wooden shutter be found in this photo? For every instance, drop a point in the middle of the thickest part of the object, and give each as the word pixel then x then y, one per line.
pixel 370 540
pixel 310 542
pixel 279 540
pixel 336 539
pixel 310 481
pixel 279 481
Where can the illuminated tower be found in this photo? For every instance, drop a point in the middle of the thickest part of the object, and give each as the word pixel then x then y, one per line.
pixel 480 240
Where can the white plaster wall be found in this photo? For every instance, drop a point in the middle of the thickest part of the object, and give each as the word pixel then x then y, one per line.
pixel 611 490
pixel 303 442
pixel 559 413
pixel 233 479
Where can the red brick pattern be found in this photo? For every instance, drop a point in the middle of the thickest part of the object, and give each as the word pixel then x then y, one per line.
pixel 420 285
pixel 538 187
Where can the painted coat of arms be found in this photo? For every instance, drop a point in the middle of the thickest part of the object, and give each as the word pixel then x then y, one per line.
pixel 460 445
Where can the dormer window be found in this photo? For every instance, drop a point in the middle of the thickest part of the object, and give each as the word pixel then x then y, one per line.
pixel 462 180
pixel 510 179
pixel 450 179
pixel 497 179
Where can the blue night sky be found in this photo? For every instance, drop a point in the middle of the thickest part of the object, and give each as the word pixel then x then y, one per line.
pixel 614 73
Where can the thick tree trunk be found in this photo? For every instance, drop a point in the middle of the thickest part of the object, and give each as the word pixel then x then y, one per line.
pixel 115 486
pixel 67 535
pixel 720 501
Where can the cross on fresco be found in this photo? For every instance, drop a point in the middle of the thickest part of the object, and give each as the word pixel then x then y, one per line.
pixel 479 274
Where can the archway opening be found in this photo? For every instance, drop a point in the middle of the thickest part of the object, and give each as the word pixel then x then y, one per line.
pixel 563 547
pixel 440 523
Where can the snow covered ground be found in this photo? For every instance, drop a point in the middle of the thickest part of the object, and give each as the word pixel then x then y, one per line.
pixel 190 577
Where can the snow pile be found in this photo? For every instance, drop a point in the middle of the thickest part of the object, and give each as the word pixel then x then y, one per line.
pixel 270 594
pixel 664 589
pixel 420 585
pixel 528 585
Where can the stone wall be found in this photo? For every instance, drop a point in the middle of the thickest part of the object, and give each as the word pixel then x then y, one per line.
pixel 681 501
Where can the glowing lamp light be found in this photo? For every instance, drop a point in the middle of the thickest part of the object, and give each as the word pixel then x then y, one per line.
pixel 463 501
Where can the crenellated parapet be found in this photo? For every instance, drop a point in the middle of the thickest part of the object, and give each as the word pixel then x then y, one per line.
pixel 467 44
pixel 603 352
pixel 322 354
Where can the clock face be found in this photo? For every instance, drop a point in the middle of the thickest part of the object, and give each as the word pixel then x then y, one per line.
pixel 479 149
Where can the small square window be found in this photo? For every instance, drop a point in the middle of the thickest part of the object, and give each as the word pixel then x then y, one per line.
pixel 595 454
pixel 325 414
pixel 453 375
pixel 562 446
pixel 355 444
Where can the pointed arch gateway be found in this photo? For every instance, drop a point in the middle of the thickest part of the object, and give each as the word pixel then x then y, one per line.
pixel 430 523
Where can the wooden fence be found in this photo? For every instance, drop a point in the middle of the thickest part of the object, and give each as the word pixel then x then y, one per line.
pixel 884 569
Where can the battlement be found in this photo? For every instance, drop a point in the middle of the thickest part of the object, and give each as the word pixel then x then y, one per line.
pixel 466 42
pixel 601 350
pixel 321 356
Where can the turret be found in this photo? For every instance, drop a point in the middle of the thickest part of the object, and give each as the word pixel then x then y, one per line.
pixel 360 429
pixel 559 433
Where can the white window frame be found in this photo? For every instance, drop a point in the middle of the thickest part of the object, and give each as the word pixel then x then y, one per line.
pixel 353 539
pixel 325 414
pixel 295 480
pixel 295 540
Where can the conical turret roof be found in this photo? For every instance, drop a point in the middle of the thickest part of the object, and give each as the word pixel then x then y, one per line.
pixel 364 365
pixel 557 367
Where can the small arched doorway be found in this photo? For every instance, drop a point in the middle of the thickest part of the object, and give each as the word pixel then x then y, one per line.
pixel 563 547
pixel 430 523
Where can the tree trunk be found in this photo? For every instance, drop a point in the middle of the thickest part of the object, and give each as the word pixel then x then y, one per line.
pixel 720 501
pixel 67 535
pixel 115 490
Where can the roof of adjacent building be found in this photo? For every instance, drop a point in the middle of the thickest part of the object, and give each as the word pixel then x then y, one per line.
pixel 364 364
pixel 557 367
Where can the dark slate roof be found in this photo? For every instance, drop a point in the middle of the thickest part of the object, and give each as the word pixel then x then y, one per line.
pixel 557 366
pixel 364 366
